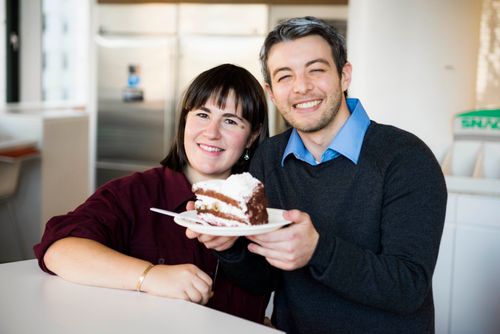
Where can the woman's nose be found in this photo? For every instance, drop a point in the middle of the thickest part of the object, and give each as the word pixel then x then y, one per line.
pixel 212 130
pixel 302 85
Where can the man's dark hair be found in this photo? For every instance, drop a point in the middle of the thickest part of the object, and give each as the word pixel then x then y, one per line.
pixel 295 28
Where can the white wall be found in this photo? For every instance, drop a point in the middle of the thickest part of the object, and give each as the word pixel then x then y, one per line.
pixel 488 72
pixel 279 12
pixel 414 63
pixel 3 58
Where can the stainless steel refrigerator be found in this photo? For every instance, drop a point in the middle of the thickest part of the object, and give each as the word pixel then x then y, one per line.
pixel 146 56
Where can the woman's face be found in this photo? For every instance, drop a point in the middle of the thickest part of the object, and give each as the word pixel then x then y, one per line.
pixel 214 139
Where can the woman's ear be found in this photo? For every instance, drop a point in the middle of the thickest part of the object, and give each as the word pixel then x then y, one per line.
pixel 252 138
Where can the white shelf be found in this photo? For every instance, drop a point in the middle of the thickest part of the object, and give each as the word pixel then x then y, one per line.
pixel 475 186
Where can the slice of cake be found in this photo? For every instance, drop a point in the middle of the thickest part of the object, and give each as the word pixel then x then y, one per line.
pixel 237 201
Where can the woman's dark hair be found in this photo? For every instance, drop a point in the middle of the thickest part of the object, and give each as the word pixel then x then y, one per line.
pixel 218 83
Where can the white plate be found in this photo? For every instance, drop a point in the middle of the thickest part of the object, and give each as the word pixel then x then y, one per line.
pixel 276 221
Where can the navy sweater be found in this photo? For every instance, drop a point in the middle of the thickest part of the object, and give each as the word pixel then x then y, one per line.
pixel 380 223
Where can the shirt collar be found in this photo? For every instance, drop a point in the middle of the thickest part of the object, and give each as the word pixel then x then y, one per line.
pixel 347 142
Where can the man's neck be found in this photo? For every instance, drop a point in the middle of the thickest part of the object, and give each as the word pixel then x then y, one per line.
pixel 317 142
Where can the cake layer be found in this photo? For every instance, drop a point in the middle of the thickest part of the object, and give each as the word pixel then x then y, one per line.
pixel 206 203
pixel 207 194
pixel 221 219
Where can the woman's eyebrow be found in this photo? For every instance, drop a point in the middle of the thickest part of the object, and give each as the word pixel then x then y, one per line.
pixel 232 115
pixel 226 114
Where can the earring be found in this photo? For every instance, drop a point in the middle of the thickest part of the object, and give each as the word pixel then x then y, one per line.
pixel 246 156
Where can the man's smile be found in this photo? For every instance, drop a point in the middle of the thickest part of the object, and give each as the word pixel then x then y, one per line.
pixel 307 104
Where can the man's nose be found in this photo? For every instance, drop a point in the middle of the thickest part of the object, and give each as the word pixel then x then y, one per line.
pixel 302 84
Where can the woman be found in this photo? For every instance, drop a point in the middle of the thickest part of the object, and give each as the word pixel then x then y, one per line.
pixel 114 240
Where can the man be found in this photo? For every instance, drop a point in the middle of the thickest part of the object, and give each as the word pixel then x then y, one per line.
pixel 367 201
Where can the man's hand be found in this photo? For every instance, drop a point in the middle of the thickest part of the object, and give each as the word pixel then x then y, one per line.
pixel 288 248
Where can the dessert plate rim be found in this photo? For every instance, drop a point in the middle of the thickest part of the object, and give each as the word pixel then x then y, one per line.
pixel 276 221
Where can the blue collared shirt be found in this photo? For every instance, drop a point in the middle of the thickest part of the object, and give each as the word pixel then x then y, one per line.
pixel 347 142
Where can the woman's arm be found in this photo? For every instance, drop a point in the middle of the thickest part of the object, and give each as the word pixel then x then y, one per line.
pixel 88 262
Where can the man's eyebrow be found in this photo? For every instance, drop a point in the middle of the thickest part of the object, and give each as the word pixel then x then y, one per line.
pixel 309 63
pixel 279 69
pixel 318 60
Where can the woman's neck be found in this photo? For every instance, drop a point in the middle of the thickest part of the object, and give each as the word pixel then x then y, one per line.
pixel 195 176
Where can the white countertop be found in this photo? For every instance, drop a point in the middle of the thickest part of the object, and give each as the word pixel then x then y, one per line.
pixel 8 143
pixel 19 107
pixel 35 302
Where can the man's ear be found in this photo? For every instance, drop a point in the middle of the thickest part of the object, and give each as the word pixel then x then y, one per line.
pixel 346 76
pixel 269 91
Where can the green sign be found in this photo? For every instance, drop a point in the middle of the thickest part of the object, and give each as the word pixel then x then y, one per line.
pixel 478 122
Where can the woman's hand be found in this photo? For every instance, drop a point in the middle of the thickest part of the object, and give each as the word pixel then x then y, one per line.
pixel 182 281
pixel 212 241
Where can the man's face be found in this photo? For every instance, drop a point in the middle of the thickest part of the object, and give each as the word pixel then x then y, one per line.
pixel 306 88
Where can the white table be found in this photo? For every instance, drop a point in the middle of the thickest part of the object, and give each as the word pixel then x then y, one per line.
pixel 32 301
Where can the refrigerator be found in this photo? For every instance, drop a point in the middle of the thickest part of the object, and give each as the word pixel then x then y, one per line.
pixel 146 56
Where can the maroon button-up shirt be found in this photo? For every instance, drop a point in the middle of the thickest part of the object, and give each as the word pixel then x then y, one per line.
pixel 118 216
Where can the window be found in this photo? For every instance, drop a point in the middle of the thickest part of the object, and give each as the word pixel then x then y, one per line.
pixel 64 49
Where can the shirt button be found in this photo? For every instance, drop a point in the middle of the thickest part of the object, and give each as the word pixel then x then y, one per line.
pixel 161 260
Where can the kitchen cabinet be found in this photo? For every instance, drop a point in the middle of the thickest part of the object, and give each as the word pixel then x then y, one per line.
pixel 466 288
pixel 466 285
pixel 53 184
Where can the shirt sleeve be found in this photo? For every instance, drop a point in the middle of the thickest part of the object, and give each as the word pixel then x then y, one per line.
pixel 247 270
pixel 398 278
pixel 103 217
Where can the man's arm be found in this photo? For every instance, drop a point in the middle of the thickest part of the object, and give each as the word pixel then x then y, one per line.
pixel 398 277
